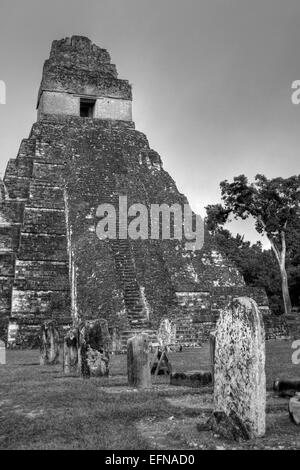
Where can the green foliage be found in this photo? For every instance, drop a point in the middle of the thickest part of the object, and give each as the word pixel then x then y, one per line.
pixel 216 215
pixel 293 261
pixel 259 267
pixel 275 206
pixel 274 203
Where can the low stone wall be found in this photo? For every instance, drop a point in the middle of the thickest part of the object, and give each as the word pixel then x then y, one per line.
pixel 198 312
pixel 293 322
pixel 276 327
pixel 25 333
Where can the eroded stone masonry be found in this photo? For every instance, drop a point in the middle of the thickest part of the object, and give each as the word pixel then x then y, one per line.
pixel 83 151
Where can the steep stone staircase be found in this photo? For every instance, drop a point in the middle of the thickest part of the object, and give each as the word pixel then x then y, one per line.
pixel 136 311
pixel 134 304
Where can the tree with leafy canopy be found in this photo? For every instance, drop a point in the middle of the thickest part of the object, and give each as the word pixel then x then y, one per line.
pixel 275 206
pixel 257 266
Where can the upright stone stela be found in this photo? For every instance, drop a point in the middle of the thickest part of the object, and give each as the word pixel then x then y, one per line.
pixel 84 151
pixel 138 362
pixel 239 366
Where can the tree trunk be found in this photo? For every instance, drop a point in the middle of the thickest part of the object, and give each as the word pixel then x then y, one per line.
pixel 83 366
pixel 138 365
pixel 281 258
pixel 285 291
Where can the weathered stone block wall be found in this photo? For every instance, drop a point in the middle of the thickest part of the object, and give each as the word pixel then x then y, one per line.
pixel 198 312
pixel 7 264
pixel 83 82
pixel 43 247
pixel 38 305
pixel 44 220
pixel 277 327
pixel 41 275
pixel 79 52
pixel 58 103
pixel 46 196
pixel 293 323
pixel 9 237
pixel 33 230
pixel 112 108
pixel 11 212
pixel 77 67
pixel 68 104
pixel 6 283
pixel 48 173
pixel 18 187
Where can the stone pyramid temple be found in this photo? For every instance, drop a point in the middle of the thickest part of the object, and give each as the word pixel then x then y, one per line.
pixel 84 151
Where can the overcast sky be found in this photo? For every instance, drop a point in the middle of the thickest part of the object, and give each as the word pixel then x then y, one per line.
pixel 211 80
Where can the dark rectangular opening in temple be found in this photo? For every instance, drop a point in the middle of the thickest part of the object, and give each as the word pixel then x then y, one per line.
pixel 87 107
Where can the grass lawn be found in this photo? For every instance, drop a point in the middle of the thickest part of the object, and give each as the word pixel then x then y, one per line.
pixel 40 408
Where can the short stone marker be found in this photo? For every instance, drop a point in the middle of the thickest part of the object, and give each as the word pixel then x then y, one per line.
pixel 94 348
pixel 2 353
pixel 87 349
pixel 49 343
pixel 138 364
pixel 294 408
pixel 194 378
pixel 71 346
pixel 239 371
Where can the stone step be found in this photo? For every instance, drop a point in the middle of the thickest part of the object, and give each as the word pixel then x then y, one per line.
pixel 136 316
